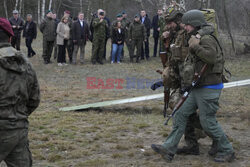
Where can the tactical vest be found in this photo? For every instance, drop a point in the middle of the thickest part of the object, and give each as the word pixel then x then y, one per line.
pixel 213 74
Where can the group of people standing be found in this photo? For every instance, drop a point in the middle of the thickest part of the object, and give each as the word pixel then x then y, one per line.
pixel 71 35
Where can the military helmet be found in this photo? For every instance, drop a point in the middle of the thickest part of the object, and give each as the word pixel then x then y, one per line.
pixel 174 15
pixel 194 18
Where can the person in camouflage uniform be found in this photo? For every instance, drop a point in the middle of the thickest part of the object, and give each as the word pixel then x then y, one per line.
pixel 20 96
pixel 48 29
pixel 125 25
pixel 137 34
pixel 203 51
pixel 100 26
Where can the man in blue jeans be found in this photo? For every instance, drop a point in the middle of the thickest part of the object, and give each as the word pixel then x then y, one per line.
pixel 203 50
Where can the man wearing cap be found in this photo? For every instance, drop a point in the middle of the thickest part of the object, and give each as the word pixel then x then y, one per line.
pixel 147 23
pixel 19 97
pixel 48 29
pixel 137 34
pixel 17 24
pixel 125 25
pixel 100 26
pixel 204 52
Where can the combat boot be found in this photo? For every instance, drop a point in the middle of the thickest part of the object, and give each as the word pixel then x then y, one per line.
pixel 229 157
pixel 167 156
pixel 189 150
pixel 214 149
pixel 131 59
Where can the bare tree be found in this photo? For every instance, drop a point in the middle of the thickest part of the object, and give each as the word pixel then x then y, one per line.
pixel 81 5
pixel 16 4
pixel 50 4
pixel 39 11
pixel 5 8
pixel 43 8
pixel 20 6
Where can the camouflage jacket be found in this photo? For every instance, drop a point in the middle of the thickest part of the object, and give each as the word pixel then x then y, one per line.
pixel 48 28
pixel 100 28
pixel 19 89
pixel 137 31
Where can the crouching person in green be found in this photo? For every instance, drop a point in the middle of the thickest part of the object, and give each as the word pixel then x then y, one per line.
pixel 202 50
pixel 19 97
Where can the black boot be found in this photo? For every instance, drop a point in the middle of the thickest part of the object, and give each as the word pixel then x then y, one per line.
pixel 194 150
pixel 131 59
pixel 214 149
pixel 137 60
pixel 167 156
pixel 229 157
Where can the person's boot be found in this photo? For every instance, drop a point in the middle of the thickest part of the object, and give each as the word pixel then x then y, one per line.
pixel 131 59
pixel 229 157
pixel 167 156
pixel 214 149
pixel 187 150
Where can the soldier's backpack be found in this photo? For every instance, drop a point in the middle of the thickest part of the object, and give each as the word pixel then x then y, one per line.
pixel 210 17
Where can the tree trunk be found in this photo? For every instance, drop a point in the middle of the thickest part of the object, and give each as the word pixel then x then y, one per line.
pixel 81 5
pixel 43 9
pixel 50 3
pixel 38 11
pixel 16 4
pixel 5 8
pixel 20 6
pixel 228 26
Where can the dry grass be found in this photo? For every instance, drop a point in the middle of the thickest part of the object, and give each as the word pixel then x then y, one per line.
pixel 116 136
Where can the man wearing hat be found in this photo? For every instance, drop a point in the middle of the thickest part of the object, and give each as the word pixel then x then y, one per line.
pixel 126 24
pixel 20 96
pixel 17 24
pixel 48 29
pixel 100 26
pixel 137 34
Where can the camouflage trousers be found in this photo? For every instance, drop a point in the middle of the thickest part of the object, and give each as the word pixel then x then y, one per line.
pixel 136 43
pixel 14 148
pixel 47 49
pixel 98 49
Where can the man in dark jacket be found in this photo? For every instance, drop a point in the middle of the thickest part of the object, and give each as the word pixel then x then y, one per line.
pixel 80 35
pixel 107 34
pixel 70 44
pixel 17 24
pixel 147 23
pixel 48 29
pixel 29 33
pixel 156 30
pixel 19 97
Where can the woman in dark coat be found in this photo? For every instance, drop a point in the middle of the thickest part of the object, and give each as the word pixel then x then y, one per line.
pixel 118 37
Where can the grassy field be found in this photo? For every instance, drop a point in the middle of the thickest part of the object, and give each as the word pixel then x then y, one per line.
pixel 121 135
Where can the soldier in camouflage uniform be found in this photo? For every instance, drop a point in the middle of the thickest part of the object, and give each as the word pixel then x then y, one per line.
pixel 100 26
pixel 19 97
pixel 48 29
pixel 137 34
pixel 125 25
pixel 202 50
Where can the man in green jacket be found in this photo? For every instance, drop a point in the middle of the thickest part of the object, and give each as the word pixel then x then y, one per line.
pixel 48 29
pixel 137 34
pixel 19 97
pixel 100 26
pixel 203 50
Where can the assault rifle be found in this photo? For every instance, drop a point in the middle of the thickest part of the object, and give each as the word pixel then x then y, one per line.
pixel 184 97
